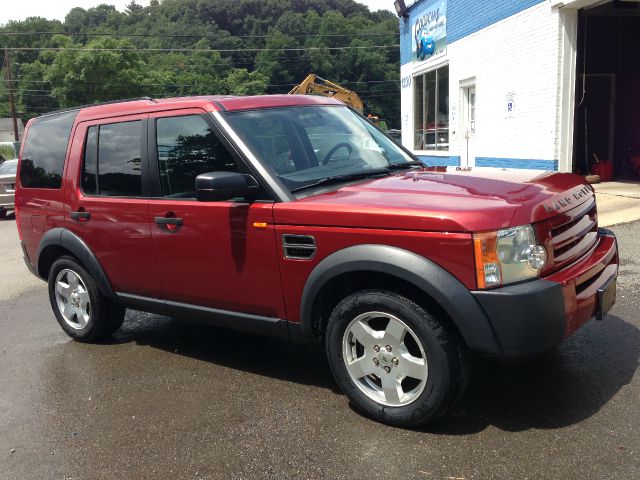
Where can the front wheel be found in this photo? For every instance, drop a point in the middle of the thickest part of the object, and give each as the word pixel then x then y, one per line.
pixel 394 360
pixel 79 306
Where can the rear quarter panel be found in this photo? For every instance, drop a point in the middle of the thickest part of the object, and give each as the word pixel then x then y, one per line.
pixel 38 209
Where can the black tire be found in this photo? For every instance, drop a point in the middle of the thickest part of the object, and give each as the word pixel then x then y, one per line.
pixel 3 213
pixel 445 357
pixel 104 318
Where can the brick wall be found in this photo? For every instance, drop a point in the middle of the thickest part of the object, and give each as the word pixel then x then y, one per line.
pixel 517 56
pixel 469 16
pixel 464 17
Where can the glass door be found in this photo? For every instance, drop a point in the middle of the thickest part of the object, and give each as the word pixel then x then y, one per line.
pixel 468 158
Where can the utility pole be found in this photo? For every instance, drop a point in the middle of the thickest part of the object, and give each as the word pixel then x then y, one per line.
pixel 12 103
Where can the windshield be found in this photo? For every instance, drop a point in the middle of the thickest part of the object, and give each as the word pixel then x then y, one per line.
pixel 10 166
pixel 304 145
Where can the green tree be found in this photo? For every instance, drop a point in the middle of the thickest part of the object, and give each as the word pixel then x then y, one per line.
pixel 193 47
pixel 242 82
pixel 105 69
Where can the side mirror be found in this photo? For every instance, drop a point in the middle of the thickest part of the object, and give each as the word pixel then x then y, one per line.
pixel 220 186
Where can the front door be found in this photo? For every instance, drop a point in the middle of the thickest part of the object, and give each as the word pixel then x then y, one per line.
pixel 220 255
pixel 469 126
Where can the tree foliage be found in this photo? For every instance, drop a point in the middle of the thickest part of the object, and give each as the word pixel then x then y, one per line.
pixel 197 47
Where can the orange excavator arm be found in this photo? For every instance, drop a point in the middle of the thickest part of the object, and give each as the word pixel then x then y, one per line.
pixel 313 84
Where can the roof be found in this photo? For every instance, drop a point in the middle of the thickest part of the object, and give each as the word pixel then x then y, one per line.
pixel 208 103
pixel 270 101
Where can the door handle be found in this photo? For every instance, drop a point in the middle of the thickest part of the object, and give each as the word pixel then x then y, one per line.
pixel 168 221
pixel 80 216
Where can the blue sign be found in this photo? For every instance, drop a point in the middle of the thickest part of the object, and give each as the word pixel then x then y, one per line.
pixel 429 29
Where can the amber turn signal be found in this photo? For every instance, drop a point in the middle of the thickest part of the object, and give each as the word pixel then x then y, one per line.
pixel 488 272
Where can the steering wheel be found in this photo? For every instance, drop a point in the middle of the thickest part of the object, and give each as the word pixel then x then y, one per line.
pixel 337 147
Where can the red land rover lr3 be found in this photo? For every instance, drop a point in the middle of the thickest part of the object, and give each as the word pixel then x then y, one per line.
pixel 292 216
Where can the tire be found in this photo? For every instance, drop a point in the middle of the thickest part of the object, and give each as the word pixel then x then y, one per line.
pixel 3 213
pixel 374 339
pixel 80 308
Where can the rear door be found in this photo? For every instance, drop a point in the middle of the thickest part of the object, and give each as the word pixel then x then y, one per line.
pixel 107 206
pixel 223 254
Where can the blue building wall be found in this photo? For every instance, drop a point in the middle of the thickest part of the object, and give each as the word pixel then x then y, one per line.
pixel 527 164
pixel 464 17
pixel 433 161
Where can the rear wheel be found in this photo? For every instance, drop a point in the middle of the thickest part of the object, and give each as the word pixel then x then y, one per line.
pixel 394 360
pixel 79 306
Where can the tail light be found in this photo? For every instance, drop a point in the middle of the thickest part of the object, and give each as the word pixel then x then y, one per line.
pixel 17 215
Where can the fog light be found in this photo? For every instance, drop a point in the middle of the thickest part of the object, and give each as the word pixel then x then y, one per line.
pixel 537 257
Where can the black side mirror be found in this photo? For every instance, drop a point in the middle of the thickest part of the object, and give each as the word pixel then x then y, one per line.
pixel 220 186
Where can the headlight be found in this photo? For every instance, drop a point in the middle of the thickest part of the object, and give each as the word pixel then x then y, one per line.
pixel 508 256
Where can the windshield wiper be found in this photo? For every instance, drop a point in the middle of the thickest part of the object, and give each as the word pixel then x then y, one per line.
pixel 344 178
pixel 360 175
pixel 405 165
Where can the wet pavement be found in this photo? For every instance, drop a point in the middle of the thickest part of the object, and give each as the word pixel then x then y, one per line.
pixel 168 399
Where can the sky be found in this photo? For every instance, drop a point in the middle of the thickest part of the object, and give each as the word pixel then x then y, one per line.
pixel 58 9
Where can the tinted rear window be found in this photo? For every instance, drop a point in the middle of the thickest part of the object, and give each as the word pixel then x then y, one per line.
pixel 45 150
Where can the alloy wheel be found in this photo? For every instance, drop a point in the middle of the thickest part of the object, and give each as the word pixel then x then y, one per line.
pixel 385 358
pixel 73 299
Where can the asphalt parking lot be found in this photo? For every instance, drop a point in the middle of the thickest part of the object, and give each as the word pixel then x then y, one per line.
pixel 168 399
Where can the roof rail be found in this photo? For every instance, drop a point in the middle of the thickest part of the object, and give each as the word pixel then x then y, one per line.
pixel 79 107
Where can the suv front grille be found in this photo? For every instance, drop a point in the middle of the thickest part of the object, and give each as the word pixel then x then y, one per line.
pixel 298 247
pixel 574 233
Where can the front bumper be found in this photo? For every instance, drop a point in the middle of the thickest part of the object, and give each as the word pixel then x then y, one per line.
pixel 535 316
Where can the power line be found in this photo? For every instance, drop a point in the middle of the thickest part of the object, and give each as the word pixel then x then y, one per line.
pixel 26 90
pixel 161 86
pixel 197 35
pixel 364 82
pixel 224 61
pixel 205 50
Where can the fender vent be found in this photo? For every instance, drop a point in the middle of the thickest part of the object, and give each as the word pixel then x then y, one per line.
pixel 299 247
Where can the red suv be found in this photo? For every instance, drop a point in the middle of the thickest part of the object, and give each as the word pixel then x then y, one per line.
pixel 293 216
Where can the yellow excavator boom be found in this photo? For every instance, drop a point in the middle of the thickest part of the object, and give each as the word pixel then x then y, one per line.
pixel 313 84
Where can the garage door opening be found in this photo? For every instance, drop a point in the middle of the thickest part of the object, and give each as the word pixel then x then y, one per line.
pixel 607 112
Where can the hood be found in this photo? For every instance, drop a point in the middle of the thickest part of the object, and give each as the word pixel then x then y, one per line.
pixel 442 199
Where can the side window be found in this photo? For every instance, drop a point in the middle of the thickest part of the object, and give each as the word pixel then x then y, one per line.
pixel 90 166
pixel 112 160
pixel 45 150
pixel 119 159
pixel 188 147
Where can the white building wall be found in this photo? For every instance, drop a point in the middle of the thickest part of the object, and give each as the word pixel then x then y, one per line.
pixel 518 57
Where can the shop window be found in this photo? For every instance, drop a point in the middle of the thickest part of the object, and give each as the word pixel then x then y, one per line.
pixel 431 110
